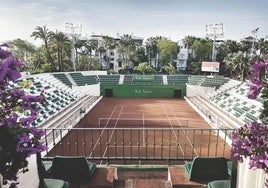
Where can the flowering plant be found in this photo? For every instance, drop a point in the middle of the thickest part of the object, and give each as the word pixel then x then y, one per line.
pixel 251 140
pixel 18 139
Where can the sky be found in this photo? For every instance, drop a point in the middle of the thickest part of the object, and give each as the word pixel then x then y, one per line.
pixel 173 19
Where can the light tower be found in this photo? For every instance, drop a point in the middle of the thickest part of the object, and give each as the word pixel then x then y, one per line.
pixel 73 31
pixel 214 31
pixel 254 32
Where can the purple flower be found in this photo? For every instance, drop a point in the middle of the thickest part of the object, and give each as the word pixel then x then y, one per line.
pixel 3 53
pixel 251 141
pixel 8 70
pixel 255 89
pixel 18 139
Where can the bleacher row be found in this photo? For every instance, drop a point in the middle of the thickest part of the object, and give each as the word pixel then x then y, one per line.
pixel 57 95
pixel 78 79
pixel 207 81
pixel 234 100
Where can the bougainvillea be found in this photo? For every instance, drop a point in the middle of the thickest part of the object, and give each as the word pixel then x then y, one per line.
pixel 18 138
pixel 251 140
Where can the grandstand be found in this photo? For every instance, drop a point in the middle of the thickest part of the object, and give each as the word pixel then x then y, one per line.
pixel 220 101
pixel 208 94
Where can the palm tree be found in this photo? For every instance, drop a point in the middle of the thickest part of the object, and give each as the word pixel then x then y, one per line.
pixel 246 47
pixel 60 40
pixel 107 43
pixel 151 48
pixel 45 35
pixel 262 45
pixel 238 65
pixel 126 45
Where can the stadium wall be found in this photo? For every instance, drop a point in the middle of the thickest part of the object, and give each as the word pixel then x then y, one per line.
pixel 193 90
pixel 88 89
pixel 143 91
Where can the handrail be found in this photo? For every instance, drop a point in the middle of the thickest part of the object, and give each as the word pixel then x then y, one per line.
pixel 106 145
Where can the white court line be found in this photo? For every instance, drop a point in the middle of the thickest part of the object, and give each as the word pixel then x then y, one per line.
pixel 173 129
pixel 96 143
pixel 188 139
pixel 111 134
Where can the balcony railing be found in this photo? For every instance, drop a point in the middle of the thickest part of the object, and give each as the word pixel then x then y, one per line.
pixel 110 145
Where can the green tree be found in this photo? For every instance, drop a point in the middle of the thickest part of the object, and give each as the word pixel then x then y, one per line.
pixel 202 49
pixel 107 43
pixel 188 41
pixel 152 51
pixel 170 69
pixel 138 56
pixel 237 65
pixel 59 40
pixel 144 68
pixel 24 51
pixel 195 67
pixel 45 35
pixel 168 51
pixel 262 45
pixel 126 46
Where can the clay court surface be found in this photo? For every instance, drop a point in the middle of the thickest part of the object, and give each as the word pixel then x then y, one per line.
pixel 140 118
pixel 154 112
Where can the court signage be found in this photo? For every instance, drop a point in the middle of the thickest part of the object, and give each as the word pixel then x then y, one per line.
pixel 210 66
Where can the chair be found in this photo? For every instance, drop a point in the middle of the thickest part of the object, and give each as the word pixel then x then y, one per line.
pixel 45 182
pixel 74 169
pixel 219 184
pixel 207 169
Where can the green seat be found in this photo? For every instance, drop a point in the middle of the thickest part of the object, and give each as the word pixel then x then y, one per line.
pixel 45 182
pixel 72 168
pixel 205 169
pixel 229 165
pixel 219 184
pixel 47 166
pixel 55 183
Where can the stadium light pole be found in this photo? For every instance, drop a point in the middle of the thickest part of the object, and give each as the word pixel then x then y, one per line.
pixel 214 31
pixel 74 32
pixel 254 38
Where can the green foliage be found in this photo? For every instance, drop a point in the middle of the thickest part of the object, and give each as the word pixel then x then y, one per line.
pixel 168 51
pixel 168 69
pixel 144 68
pixel 138 56
pixel 203 50
pixel 195 67
pixel 111 71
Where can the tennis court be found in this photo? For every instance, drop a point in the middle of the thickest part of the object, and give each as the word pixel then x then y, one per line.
pixel 132 129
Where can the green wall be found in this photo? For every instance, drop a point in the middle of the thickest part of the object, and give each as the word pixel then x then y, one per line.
pixel 143 91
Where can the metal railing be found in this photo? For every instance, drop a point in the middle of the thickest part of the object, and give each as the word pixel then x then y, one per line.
pixel 125 144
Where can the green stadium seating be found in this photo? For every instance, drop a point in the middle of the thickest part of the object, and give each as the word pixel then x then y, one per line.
pixel 63 78
pixel 109 79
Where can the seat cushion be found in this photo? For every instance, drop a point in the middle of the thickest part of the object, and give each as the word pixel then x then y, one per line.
pixel 92 168
pixel 55 183
pixel 188 167
pixel 47 165
pixel 219 184
pixel 230 164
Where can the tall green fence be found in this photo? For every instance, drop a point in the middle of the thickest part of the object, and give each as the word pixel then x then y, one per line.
pixel 143 91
